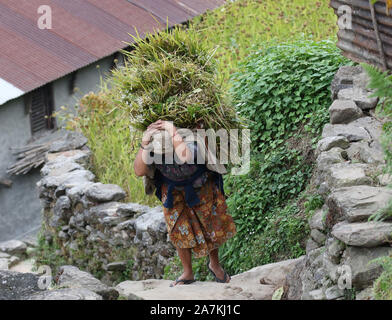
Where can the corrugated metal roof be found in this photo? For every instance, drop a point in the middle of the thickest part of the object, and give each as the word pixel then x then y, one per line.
pixel 83 31
pixel 360 42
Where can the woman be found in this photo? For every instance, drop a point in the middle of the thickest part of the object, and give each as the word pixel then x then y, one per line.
pixel 194 203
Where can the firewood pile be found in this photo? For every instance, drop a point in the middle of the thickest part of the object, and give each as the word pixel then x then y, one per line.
pixel 33 155
pixel 28 157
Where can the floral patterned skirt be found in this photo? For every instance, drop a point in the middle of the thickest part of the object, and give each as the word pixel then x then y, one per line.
pixel 203 227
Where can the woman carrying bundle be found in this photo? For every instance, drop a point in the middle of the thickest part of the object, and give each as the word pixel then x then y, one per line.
pixel 194 204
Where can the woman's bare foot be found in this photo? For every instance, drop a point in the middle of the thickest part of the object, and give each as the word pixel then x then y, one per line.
pixel 218 270
pixel 184 276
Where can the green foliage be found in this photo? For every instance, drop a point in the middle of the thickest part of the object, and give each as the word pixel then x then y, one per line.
pixel 383 213
pixel 267 229
pixel 312 203
pixel 47 253
pixel 284 87
pixel 127 273
pixel 171 76
pixel 282 237
pixel 382 287
pixel 274 178
pixel 350 294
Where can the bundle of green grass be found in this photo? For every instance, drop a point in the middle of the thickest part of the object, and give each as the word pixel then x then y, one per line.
pixel 171 76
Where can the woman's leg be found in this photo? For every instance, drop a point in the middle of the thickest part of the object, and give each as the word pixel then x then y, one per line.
pixel 186 260
pixel 215 265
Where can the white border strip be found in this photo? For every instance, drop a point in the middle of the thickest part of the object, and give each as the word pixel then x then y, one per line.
pixel 8 91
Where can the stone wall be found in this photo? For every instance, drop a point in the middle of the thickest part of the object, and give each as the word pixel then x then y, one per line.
pixel 349 175
pixel 93 229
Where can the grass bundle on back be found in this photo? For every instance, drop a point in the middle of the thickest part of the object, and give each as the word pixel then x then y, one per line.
pixel 171 76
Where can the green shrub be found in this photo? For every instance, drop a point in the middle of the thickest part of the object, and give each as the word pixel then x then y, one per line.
pixel 257 202
pixel 285 87
pixel 282 235
pixel 48 253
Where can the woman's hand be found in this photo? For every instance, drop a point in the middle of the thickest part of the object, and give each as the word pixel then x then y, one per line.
pixel 146 139
pixel 163 125
pixel 180 148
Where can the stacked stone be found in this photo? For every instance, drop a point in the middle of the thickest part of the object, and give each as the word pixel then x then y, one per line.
pixel 349 175
pixel 12 252
pixel 89 223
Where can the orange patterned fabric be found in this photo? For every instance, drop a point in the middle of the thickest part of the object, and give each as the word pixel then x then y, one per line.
pixel 203 227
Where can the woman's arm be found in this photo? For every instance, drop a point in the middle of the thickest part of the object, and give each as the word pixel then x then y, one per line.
pixel 140 167
pixel 182 151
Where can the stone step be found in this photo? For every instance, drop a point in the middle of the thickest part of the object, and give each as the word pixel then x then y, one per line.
pixel 350 131
pixel 256 284
pixel 13 247
pixel 360 97
pixel 344 111
pixel 25 266
pixel 347 175
pixel 357 203
pixel 371 125
pixel 332 142
pixel 363 272
pixel 361 151
pixel 363 234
